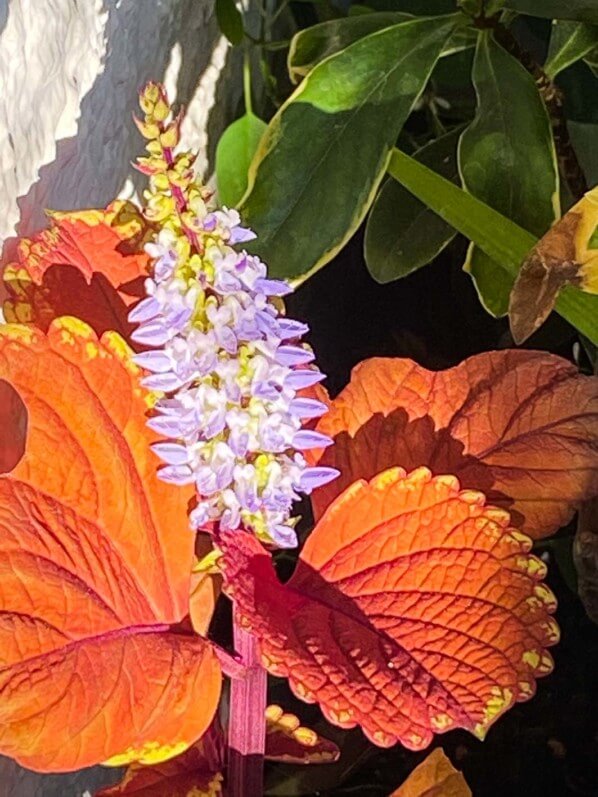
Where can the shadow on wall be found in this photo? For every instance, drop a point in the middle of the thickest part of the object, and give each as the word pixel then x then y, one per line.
pixel 173 40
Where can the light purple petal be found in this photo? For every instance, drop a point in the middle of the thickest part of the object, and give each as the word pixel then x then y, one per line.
pixel 272 287
pixel 210 222
pixel 239 235
pixel 288 328
pixel 171 453
pixel 284 536
pixel 176 474
pixel 307 439
pixel 293 355
pixel 156 361
pixel 164 382
pixel 316 477
pixel 170 426
pixel 307 408
pixel 144 310
pixel 266 390
pixel 297 380
pixel 152 333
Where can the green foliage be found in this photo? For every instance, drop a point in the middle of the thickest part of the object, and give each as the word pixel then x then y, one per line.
pixel 569 42
pixel 375 74
pixel 501 239
pixel 325 152
pixel 230 20
pixel 580 10
pixel 402 233
pixel 234 154
pixel 510 166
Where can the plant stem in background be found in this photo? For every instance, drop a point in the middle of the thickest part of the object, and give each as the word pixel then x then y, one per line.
pixel 247 723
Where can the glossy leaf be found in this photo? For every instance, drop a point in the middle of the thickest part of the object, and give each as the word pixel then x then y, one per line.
pixel 312 45
pixel 95 559
pixel 566 255
pixel 325 152
pixel 520 426
pixel 89 264
pixel 434 777
pixel 569 42
pixel 584 137
pixel 580 10
pixel 402 234
pixel 234 153
pixel 507 159
pixel 501 239
pixel 413 609
pixel 230 20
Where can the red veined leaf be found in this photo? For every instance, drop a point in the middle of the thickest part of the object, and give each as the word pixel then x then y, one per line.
pixel 434 777
pixel 95 562
pixel 520 426
pixel 197 772
pixel 89 264
pixel 288 741
pixel 414 608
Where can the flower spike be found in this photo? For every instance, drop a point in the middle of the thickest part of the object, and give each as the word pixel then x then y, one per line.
pixel 227 362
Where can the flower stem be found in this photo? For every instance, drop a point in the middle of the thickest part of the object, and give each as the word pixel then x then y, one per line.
pixel 247 723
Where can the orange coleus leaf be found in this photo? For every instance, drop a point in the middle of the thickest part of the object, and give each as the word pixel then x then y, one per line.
pixel 95 562
pixel 521 426
pixel 434 777
pixel 195 773
pixel 89 264
pixel 289 741
pixel 414 608
pixel 199 770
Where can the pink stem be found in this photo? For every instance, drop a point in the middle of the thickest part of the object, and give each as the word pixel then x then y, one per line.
pixel 247 721
pixel 181 202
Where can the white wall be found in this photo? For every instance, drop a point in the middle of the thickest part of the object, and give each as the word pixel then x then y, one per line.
pixel 70 71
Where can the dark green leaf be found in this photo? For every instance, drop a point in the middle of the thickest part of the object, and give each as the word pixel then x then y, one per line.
pixel 236 148
pixel 312 45
pixel 230 20
pixel 402 234
pixel 584 137
pixel 580 10
pixel 501 239
pixel 569 41
pixel 326 150
pixel 507 159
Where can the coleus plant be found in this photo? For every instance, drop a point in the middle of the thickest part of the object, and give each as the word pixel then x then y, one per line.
pixel 160 419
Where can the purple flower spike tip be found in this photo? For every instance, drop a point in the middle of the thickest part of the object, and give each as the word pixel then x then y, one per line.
pixel 156 361
pixel 307 408
pixel 152 333
pixel 144 310
pixel 297 380
pixel 288 328
pixel 176 474
pixel 307 439
pixel 240 235
pixel 171 453
pixel 273 287
pixel 311 478
pixel 163 382
pixel 293 355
